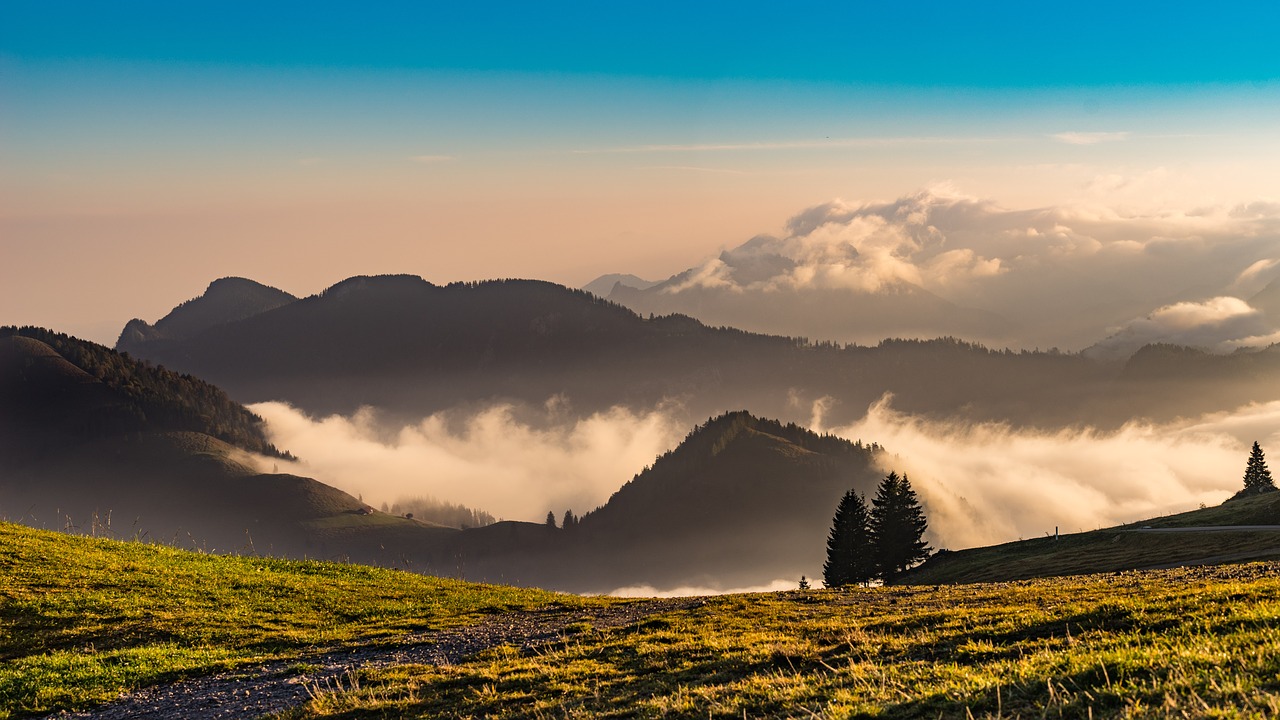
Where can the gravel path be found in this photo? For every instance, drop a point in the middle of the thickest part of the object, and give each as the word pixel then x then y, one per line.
pixel 252 692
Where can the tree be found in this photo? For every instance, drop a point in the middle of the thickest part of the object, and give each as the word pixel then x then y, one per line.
pixel 897 525
pixel 850 546
pixel 1257 478
pixel 551 519
pixel 569 520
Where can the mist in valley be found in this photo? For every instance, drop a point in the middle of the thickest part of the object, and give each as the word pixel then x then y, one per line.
pixel 980 482
pixel 516 468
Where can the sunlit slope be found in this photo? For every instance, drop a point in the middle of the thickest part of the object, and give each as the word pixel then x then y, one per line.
pixel 83 619
pixel 1198 642
pixel 1155 543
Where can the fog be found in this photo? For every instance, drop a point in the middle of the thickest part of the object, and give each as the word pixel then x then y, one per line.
pixel 491 460
pixel 981 483
pixel 988 482
pixel 649 591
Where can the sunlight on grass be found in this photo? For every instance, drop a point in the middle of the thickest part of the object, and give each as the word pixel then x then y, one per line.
pixel 82 620
pixel 1185 643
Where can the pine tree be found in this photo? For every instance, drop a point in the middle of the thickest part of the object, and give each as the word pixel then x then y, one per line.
pixel 551 519
pixel 1257 478
pixel 850 546
pixel 897 525
pixel 569 520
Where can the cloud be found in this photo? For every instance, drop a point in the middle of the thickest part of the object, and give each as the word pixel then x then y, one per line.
pixel 694 168
pixel 489 460
pixel 1064 276
pixel 1220 324
pixel 989 483
pixel 811 144
pixel 649 591
pixel 1089 138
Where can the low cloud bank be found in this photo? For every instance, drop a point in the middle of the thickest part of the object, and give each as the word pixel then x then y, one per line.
pixel 988 483
pixel 489 460
pixel 981 483
pixel 694 591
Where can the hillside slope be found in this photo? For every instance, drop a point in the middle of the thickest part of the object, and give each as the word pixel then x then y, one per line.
pixel 87 618
pixel 90 618
pixel 742 502
pixel 225 300
pixel 1155 543
pixel 96 442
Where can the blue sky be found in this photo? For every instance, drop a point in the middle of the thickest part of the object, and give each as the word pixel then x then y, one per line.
pixel 301 143
pixel 927 44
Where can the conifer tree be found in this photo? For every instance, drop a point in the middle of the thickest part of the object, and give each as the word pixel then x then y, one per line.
pixel 897 525
pixel 1257 478
pixel 551 518
pixel 850 547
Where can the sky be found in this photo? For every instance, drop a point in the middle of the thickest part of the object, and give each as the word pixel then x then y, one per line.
pixel 147 148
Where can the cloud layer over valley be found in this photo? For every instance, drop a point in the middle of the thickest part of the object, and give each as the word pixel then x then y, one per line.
pixel 981 483
pixel 488 460
pixel 988 483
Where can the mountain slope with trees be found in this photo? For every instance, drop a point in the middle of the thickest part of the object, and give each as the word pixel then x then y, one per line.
pixel 225 300
pixel 96 442
pixel 412 348
pixel 741 502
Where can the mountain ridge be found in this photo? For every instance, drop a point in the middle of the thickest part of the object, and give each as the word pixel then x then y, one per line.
pixel 413 348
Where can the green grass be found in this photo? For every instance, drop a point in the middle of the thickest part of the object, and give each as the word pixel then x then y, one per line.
pixel 1202 642
pixel 83 619
pixel 1116 549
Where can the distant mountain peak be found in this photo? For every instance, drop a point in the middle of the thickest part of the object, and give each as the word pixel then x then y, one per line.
pixel 225 300
pixel 605 284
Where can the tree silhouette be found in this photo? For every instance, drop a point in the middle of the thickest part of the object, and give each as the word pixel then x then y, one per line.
pixel 850 546
pixel 1257 478
pixel 551 519
pixel 897 525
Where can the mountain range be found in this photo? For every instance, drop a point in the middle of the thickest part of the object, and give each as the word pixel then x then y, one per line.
pixel 409 347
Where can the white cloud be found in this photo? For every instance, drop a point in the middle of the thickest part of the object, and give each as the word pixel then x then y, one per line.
pixel 1061 276
pixel 649 591
pixel 824 143
pixel 1089 138
pixel 489 460
pixel 1220 324
pixel 990 483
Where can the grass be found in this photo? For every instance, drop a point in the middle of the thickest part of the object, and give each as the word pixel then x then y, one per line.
pixel 1200 642
pixel 82 619
pixel 1117 549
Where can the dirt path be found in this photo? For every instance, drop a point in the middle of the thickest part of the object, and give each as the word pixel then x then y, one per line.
pixel 252 692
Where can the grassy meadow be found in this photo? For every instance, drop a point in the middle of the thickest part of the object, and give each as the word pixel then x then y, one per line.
pixel 82 619
pixel 1201 642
